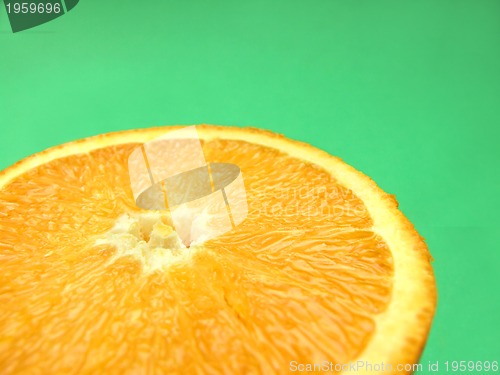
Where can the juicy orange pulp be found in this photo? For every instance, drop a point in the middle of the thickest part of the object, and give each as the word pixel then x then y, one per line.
pixel 299 280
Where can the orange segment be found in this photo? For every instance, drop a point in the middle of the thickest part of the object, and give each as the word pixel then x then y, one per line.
pixel 323 268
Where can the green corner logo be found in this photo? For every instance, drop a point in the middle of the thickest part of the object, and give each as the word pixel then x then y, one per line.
pixel 25 14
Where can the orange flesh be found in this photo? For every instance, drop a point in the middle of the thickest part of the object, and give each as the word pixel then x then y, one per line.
pixel 301 279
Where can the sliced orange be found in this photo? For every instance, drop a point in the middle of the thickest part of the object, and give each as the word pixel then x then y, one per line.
pixel 324 271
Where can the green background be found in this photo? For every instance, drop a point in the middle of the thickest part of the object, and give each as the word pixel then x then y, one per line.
pixel 406 91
